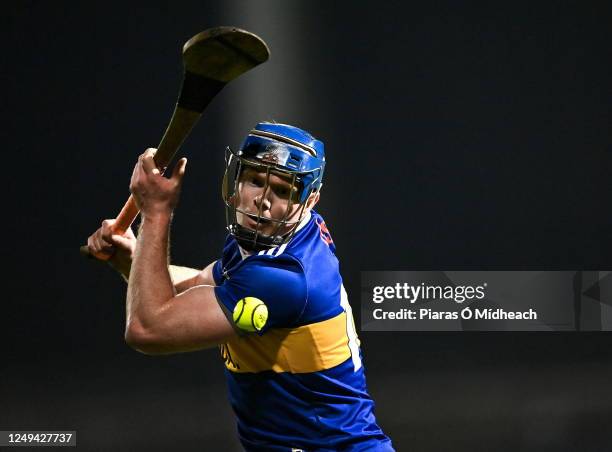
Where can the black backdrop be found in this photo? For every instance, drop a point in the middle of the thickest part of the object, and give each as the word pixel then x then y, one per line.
pixel 458 137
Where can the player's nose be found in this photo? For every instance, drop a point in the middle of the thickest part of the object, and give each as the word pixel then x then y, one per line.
pixel 263 202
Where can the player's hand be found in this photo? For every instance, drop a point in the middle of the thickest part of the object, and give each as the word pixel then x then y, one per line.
pixel 155 194
pixel 120 248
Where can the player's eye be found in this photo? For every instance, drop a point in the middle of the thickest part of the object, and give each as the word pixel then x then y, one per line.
pixel 255 181
pixel 285 192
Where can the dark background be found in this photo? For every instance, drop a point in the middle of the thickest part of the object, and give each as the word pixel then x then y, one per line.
pixel 458 137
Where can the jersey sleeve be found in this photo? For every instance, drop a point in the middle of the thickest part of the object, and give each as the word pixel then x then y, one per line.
pixel 278 283
pixel 217 272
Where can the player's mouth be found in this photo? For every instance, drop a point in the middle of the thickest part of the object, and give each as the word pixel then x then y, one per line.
pixel 254 220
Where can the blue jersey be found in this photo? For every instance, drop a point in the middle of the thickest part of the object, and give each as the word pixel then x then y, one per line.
pixel 298 382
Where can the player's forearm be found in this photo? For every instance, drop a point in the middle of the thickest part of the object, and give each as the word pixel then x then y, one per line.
pixel 150 284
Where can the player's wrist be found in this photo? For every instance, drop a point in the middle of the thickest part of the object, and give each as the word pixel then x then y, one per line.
pixel 157 217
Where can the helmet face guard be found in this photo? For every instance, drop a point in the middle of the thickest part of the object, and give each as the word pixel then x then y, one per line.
pixel 268 152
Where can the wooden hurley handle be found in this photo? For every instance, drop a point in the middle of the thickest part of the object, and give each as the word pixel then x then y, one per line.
pixel 211 59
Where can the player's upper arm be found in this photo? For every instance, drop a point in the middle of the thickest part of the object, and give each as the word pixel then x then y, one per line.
pixel 192 277
pixel 192 320
pixel 206 276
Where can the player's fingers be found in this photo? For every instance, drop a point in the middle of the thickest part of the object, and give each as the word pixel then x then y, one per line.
pixel 106 230
pixel 103 242
pixel 108 223
pixel 179 170
pixel 94 248
pixel 137 174
pixel 148 163
pixel 90 244
pixel 101 246
pixel 95 241
pixel 135 170
pixel 121 242
pixel 147 153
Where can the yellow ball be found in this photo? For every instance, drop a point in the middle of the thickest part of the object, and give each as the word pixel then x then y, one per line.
pixel 250 314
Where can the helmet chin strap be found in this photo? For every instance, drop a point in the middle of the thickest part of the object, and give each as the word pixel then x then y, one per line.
pixel 250 242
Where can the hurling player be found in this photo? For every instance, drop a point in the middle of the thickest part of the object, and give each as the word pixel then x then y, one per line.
pixel 273 302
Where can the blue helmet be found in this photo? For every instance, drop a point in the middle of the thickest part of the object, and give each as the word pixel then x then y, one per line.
pixel 279 149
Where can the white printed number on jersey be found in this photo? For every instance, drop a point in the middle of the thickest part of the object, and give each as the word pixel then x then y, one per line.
pixel 353 340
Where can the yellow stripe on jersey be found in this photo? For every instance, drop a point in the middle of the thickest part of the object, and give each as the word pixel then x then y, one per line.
pixel 308 348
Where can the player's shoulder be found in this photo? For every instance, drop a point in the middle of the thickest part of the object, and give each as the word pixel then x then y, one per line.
pixel 278 282
pixel 278 266
pixel 274 269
